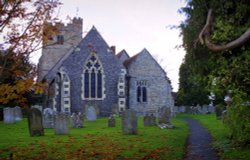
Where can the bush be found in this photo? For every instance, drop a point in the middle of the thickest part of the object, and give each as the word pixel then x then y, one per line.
pixel 238 120
pixel 218 110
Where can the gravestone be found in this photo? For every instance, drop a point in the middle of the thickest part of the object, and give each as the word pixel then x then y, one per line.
pixel 165 114
pixel 77 120
pixel 39 107
pixel 129 122
pixel 152 120
pixel 91 114
pixel 35 122
pixel 164 119
pixel 146 120
pixel 9 115
pixel 199 109
pixel 62 123
pixel 48 118
pixel 111 121
pixel 18 113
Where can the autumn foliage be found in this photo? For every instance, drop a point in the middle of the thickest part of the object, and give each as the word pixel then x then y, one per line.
pixel 21 34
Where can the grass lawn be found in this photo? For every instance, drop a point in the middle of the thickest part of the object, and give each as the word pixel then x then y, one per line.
pixel 219 133
pixel 95 141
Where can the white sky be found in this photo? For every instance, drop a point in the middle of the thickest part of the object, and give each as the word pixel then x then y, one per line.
pixel 133 25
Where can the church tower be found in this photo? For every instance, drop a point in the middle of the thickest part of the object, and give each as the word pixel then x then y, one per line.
pixel 69 36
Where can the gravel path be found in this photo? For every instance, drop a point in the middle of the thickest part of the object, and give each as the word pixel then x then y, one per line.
pixel 199 143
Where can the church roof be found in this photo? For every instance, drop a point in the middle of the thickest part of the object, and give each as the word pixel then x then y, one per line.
pixel 92 40
pixel 127 62
pixel 121 53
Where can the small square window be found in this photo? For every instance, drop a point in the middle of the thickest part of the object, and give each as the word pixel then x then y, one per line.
pixel 66 109
pixel 121 87
pixel 121 93
pixel 66 86
pixel 66 92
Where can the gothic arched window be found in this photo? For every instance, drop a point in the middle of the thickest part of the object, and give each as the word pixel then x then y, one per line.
pixel 93 79
pixel 141 91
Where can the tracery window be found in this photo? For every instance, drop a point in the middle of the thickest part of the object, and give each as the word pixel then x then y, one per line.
pixel 93 79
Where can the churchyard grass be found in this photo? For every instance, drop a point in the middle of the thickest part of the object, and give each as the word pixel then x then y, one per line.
pixel 219 133
pixel 94 141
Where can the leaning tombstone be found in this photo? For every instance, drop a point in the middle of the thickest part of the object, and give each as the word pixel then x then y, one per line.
pixel 9 115
pixel 91 114
pixel 48 118
pixel 35 122
pixel 111 121
pixel 62 123
pixel 129 122
pixel 18 113
pixel 146 120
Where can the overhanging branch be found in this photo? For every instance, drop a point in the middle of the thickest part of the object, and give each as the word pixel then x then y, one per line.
pixel 205 33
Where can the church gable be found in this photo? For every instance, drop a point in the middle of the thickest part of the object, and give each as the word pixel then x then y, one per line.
pixel 94 72
pixel 143 64
pixel 122 56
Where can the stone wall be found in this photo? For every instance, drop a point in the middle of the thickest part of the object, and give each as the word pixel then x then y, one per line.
pixel 72 33
pixel 74 64
pixel 145 68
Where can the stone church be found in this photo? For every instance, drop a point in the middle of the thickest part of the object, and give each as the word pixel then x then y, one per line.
pixel 87 72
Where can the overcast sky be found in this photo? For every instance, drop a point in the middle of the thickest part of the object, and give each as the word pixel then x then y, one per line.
pixel 133 25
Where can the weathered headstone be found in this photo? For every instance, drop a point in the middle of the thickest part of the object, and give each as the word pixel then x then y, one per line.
pixel 62 123
pixel 48 118
pixel 9 115
pixel 18 113
pixel 146 120
pixel 129 122
pixel 39 107
pixel 91 114
pixel 111 121
pixel 165 115
pixel 152 120
pixel 77 120
pixel 35 122
pixel 164 119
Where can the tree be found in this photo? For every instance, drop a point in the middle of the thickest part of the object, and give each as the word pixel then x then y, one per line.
pixel 227 71
pixel 21 28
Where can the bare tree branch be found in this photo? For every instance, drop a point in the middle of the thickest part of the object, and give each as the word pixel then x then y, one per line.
pixel 205 33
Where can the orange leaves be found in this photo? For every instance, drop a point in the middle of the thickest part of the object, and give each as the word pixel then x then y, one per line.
pixel 15 92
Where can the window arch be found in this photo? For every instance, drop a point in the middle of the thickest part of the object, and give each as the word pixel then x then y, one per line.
pixel 141 91
pixel 93 79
